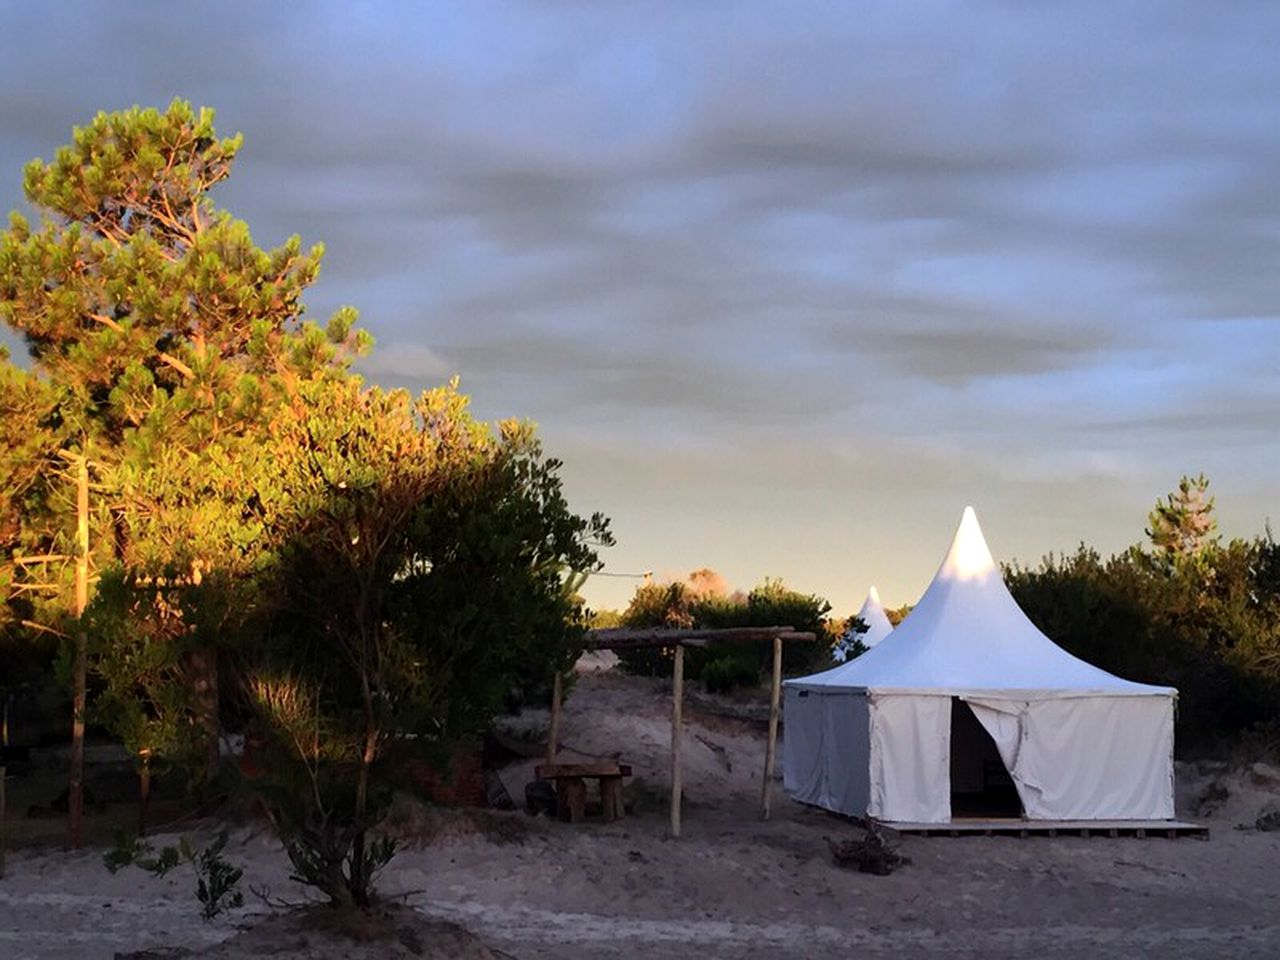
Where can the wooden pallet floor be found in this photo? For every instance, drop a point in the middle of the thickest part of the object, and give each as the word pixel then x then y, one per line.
pixel 965 827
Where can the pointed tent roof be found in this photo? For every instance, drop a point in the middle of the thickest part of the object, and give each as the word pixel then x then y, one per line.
pixel 967 635
pixel 878 625
pixel 873 615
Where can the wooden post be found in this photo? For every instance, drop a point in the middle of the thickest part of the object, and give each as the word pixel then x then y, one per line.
pixel 775 698
pixel 4 837
pixel 553 734
pixel 571 798
pixel 4 747
pixel 677 710
pixel 611 805
pixel 144 790
pixel 75 793
pixel 201 666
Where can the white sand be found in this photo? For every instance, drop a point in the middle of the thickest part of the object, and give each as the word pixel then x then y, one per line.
pixel 733 887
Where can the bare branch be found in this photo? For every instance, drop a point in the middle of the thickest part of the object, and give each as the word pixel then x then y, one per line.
pixel 44 629
pixel 178 365
pixel 106 321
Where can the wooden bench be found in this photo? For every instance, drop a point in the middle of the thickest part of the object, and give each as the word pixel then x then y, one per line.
pixel 570 780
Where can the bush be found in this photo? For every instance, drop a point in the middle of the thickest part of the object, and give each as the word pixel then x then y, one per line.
pixel 1208 624
pixel 735 665
pixel 727 672
pixel 217 880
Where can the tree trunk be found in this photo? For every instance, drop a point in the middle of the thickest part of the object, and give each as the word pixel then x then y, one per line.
pixel 202 667
pixel 359 854
pixel 144 791
pixel 4 810
pixel 4 816
pixel 359 871
pixel 79 669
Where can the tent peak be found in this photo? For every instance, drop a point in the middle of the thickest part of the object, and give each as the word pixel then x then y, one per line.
pixel 969 557
pixel 872 614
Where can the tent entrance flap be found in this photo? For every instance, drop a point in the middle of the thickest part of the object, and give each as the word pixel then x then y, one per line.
pixel 981 785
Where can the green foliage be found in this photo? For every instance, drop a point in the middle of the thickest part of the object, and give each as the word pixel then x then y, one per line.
pixel 1182 523
pixel 604 619
pixel 134 287
pixel 311 863
pixel 847 638
pixel 36 520
pixel 728 672
pixel 423 573
pixel 217 880
pixel 739 664
pixel 659 605
pixel 354 577
pixel 162 339
pixel 896 615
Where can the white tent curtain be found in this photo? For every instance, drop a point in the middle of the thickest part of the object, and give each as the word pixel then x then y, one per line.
pixel 1085 757
pixel 910 758
pixel 1002 719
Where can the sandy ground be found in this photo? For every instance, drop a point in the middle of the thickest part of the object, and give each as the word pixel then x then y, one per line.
pixel 732 887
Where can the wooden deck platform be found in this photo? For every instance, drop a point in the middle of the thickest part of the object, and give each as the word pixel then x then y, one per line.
pixel 966 827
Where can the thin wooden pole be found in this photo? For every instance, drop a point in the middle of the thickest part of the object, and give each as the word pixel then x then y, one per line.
pixel 75 793
pixel 144 790
pixel 4 748
pixel 775 699
pixel 4 833
pixel 677 711
pixel 553 734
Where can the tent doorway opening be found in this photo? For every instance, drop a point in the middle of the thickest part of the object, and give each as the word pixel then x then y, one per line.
pixel 980 784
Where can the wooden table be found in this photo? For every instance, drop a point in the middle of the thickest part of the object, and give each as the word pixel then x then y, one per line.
pixel 571 787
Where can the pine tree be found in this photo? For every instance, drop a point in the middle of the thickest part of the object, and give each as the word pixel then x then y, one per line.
pixel 1182 523
pixel 30 439
pixel 384 568
pixel 162 337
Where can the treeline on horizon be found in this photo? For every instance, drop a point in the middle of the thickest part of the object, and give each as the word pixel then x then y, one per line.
pixel 1181 608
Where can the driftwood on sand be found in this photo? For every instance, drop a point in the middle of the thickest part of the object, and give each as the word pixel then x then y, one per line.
pixel 870 853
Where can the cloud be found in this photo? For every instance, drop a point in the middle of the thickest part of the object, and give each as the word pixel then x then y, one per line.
pixel 405 361
pixel 741 262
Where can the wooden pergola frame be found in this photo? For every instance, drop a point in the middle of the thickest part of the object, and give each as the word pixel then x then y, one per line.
pixel 628 639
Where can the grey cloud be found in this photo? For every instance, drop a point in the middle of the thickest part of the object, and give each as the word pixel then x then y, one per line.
pixel 928 253
pixel 955 356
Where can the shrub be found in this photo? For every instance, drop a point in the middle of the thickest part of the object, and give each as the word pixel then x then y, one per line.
pixel 217 880
pixel 727 672
pixel 738 664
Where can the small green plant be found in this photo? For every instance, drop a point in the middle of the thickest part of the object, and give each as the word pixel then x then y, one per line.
pixel 217 880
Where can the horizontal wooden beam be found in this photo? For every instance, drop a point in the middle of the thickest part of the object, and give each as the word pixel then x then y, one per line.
pixel 626 638
pixel 550 771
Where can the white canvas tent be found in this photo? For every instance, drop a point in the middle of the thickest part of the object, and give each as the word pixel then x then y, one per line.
pixel 878 625
pixel 874 737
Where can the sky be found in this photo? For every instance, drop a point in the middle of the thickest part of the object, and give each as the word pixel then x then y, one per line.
pixel 785 286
